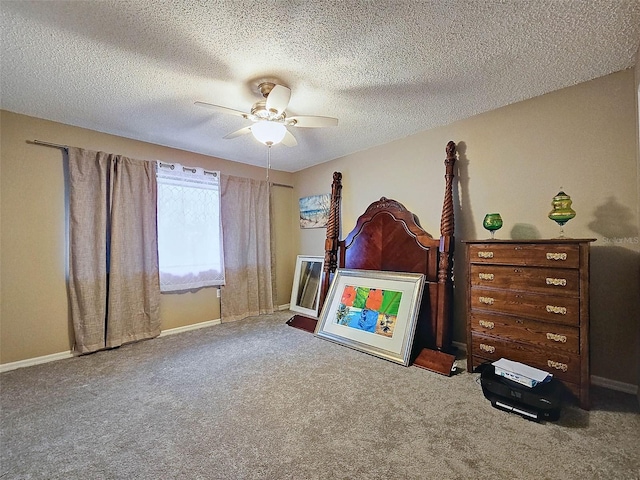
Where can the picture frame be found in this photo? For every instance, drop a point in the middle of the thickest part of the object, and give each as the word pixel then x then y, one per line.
pixel 314 210
pixel 305 293
pixel 373 311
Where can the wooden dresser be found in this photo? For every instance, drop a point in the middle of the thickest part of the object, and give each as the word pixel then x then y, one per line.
pixel 528 301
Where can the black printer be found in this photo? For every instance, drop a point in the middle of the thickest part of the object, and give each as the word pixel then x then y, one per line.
pixel 542 402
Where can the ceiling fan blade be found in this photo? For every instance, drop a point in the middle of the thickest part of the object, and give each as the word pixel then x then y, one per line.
pixel 289 140
pixel 222 109
pixel 278 98
pixel 312 122
pixel 237 133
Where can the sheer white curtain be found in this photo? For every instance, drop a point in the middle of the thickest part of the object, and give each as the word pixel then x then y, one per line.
pixel 113 251
pixel 189 227
pixel 246 226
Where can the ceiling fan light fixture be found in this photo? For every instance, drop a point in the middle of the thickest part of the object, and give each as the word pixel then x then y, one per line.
pixel 270 119
pixel 269 133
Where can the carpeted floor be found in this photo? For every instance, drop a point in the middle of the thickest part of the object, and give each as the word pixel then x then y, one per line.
pixel 257 399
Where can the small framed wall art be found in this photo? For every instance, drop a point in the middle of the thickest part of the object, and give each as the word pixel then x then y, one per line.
pixel 314 211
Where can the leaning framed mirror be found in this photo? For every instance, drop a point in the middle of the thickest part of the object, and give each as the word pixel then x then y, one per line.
pixel 306 285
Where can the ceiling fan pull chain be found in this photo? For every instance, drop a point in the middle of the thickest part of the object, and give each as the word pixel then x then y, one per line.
pixel 268 163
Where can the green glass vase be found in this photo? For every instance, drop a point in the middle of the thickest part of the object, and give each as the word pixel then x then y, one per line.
pixel 492 222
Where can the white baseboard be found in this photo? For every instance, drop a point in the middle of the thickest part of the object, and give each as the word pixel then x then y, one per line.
pixel 29 362
pixel 208 323
pixel 614 385
pixel 187 328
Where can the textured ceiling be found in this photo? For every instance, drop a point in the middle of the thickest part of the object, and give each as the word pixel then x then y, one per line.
pixel 385 69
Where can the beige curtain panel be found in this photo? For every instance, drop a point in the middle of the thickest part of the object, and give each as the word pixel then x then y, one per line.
pixel 113 261
pixel 246 232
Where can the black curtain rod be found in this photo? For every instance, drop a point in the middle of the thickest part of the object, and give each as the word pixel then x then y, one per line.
pixel 66 147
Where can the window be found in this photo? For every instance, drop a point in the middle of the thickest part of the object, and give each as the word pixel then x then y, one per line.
pixel 189 228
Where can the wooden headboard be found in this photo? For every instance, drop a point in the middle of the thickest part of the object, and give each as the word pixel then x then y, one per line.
pixel 389 237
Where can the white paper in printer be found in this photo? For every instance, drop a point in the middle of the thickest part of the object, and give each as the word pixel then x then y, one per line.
pixel 521 373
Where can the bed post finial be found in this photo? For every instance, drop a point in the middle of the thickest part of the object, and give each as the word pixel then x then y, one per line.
pixel 333 234
pixel 446 221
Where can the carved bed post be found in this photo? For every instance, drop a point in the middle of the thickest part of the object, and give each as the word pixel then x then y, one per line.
pixel 447 242
pixel 333 237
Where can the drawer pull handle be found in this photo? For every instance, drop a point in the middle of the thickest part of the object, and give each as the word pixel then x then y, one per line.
pixel 487 348
pixel 557 310
pixel 558 282
pixel 489 325
pixel 556 256
pixel 486 276
pixel 486 300
pixel 485 254
pixel 557 365
pixel 557 338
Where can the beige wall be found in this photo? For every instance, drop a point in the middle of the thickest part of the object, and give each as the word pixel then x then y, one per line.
pixel 34 319
pixel 514 160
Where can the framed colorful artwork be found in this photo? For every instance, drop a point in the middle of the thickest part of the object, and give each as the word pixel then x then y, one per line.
pixel 372 311
pixel 306 285
pixel 314 211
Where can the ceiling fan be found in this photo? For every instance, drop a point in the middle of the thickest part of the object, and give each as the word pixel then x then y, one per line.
pixel 270 119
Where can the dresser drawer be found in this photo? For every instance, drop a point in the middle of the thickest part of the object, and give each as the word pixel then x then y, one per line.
pixel 555 255
pixel 564 366
pixel 554 281
pixel 539 334
pixel 557 309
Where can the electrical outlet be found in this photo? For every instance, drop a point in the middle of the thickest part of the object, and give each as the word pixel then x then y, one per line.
pixel 218 293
